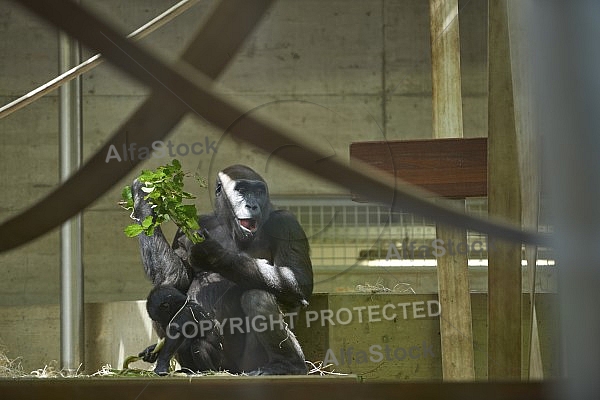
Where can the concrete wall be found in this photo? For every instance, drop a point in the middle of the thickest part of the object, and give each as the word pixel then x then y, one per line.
pixel 113 332
pixel 333 71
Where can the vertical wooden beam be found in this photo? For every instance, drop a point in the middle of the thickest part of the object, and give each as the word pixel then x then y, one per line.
pixel 521 50
pixel 445 69
pixel 504 200
pixel 453 275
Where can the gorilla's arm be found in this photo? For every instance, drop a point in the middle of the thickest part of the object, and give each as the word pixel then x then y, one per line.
pixel 289 276
pixel 162 264
pixel 290 250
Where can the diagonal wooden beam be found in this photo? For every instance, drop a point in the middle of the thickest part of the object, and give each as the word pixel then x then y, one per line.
pixel 175 85
pixel 211 51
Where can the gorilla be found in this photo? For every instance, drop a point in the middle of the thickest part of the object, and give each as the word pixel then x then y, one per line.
pixel 232 290
pixel 170 308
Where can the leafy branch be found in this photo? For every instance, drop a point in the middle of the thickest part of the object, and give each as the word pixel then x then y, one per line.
pixel 164 188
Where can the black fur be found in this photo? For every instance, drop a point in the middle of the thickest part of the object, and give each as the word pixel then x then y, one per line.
pixel 179 320
pixel 255 267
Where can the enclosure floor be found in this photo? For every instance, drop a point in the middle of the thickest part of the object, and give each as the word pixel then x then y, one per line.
pixel 280 388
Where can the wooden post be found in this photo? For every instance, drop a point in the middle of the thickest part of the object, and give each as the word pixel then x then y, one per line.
pixel 453 275
pixel 504 200
pixel 521 51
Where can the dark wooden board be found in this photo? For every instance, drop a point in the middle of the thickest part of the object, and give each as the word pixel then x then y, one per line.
pixel 453 168
pixel 264 388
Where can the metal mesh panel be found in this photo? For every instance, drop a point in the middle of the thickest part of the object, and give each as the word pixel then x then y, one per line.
pixel 342 232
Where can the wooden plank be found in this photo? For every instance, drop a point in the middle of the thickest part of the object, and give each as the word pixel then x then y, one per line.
pixel 454 168
pixel 456 323
pixel 283 387
pixel 504 200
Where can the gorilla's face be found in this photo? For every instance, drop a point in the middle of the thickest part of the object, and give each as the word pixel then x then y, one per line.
pixel 243 197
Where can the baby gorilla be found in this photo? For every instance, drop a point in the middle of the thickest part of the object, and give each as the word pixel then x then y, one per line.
pixel 185 335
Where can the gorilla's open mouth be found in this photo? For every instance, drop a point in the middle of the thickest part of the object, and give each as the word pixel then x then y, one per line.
pixel 248 224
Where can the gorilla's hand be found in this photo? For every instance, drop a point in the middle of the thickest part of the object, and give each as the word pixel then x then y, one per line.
pixel 141 208
pixel 207 255
pixel 149 355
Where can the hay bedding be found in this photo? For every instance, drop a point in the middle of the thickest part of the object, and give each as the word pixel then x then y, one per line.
pixel 11 368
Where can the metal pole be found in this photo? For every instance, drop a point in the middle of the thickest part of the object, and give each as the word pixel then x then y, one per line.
pixel 71 267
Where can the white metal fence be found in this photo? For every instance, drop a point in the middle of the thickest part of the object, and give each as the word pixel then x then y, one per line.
pixel 344 232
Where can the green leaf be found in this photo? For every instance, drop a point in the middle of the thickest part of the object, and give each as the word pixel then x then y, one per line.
pixel 133 230
pixel 165 194
pixel 150 230
pixel 189 211
pixel 196 238
pixel 126 195
pixel 147 222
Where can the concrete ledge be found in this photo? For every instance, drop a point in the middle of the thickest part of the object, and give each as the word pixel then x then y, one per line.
pixel 407 346
pixel 336 279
